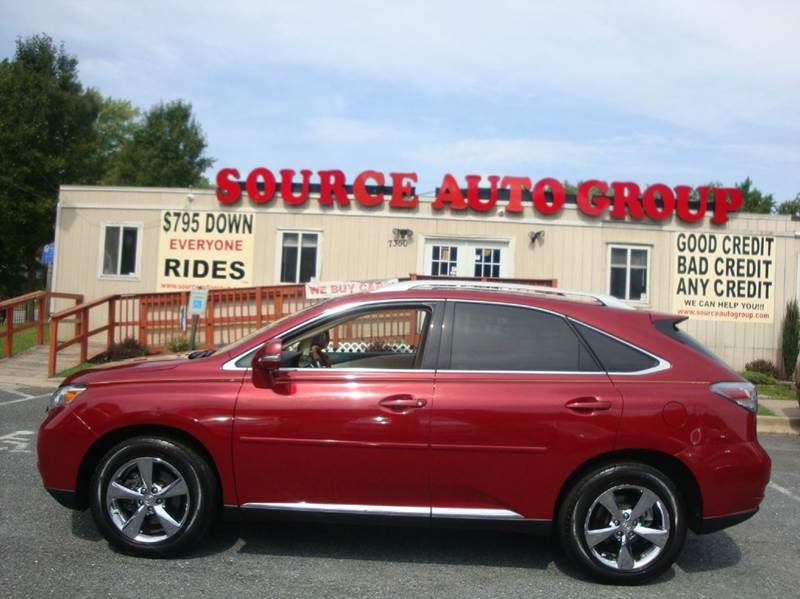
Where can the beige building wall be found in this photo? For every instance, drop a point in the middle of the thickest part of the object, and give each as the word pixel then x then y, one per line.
pixel 355 245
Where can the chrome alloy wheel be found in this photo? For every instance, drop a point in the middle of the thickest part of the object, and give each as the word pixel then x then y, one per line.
pixel 627 527
pixel 147 500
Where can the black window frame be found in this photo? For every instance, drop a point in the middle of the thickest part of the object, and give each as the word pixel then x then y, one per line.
pixel 297 277
pixel 446 343
pixel 122 229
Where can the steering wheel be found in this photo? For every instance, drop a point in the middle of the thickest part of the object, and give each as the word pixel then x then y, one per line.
pixel 316 361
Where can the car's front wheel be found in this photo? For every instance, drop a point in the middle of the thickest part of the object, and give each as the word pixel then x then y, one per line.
pixel 153 497
pixel 624 523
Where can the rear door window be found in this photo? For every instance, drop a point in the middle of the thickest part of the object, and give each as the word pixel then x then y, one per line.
pixel 505 338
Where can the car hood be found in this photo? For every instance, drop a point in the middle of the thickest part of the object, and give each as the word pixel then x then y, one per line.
pixel 124 369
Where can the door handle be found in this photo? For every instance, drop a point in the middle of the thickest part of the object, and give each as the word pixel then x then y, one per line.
pixel 588 404
pixel 402 403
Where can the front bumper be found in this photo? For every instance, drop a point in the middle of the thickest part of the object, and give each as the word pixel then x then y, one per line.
pixel 62 442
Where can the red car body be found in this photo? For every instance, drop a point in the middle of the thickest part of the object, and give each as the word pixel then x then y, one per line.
pixel 503 445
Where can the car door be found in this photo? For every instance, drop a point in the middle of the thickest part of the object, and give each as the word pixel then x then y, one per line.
pixel 520 402
pixel 352 437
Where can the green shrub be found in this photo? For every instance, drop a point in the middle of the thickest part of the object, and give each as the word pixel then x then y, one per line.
pixel 791 338
pixel 797 384
pixel 759 378
pixel 178 344
pixel 126 349
pixel 764 367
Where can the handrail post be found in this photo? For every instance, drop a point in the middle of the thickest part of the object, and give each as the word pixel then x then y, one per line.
pixel 9 339
pixel 111 322
pixel 210 321
pixel 259 313
pixel 278 305
pixel 142 322
pixel 78 302
pixel 40 319
pixel 51 354
pixel 84 335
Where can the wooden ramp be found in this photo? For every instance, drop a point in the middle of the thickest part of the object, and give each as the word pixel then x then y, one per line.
pixel 30 366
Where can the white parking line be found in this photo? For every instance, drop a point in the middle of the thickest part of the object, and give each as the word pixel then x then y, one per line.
pixel 784 491
pixel 16 442
pixel 16 392
pixel 28 398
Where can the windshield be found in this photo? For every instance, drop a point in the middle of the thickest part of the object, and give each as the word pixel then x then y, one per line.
pixel 275 323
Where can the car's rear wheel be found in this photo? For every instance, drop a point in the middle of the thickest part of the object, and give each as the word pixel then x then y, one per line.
pixel 623 523
pixel 153 497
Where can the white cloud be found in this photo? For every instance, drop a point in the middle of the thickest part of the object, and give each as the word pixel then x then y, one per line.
pixel 348 130
pixel 676 86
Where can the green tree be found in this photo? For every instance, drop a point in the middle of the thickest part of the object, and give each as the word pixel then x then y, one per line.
pixel 116 124
pixel 47 137
pixel 167 149
pixel 790 207
pixel 790 338
pixel 754 199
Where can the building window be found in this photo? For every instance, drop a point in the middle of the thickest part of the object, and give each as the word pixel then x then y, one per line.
pixel 444 260
pixel 299 256
pixel 628 272
pixel 120 250
pixel 487 262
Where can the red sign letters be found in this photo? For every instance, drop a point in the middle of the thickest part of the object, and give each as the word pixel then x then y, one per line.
pixel 594 198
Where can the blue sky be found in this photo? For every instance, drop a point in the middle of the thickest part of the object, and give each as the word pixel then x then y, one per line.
pixel 674 92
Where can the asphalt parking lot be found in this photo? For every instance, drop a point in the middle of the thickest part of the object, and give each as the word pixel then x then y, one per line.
pixel 48 550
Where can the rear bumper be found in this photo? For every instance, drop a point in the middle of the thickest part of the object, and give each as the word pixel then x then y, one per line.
pixel 732 478
pixel 709 525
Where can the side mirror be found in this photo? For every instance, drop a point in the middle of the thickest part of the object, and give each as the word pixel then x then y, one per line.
pixel 268 356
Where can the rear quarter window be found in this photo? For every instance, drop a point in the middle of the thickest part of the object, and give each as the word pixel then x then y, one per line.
pixel 614 355
pixel 670 329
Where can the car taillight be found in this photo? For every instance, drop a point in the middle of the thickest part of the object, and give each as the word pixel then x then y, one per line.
pixel 742 393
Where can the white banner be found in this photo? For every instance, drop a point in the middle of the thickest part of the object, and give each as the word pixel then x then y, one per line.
pixel 325 290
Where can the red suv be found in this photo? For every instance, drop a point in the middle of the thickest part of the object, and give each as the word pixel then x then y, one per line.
pixel 427 403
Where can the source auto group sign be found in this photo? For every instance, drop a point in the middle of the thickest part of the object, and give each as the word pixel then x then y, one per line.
pixel 656 202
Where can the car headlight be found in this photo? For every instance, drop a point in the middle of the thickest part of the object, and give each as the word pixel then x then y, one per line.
pixel 64 395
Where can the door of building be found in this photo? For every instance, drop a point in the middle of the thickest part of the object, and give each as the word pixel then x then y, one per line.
pixel 467 258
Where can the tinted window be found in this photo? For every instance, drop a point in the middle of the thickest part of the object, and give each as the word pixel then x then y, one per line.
pixel 614 355
pixel 490 337
pixel 670 328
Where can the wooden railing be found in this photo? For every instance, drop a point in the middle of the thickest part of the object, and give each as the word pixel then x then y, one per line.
pixel 35 307
pixel 154 319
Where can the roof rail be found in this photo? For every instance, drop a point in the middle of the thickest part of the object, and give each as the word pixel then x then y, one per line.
pixel 606 300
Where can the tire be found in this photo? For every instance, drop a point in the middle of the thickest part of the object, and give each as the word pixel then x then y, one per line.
pixel 639 499
pixel 165 519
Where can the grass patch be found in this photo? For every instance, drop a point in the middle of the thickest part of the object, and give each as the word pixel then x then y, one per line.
pixel 65 373
pixel 765 411
pixel 23 340
pixel 777 391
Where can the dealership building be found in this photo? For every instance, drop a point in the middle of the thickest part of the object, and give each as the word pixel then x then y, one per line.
pixel 732 279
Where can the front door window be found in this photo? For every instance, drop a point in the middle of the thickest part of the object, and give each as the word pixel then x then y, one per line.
pixel 467 258
pixel 444 260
